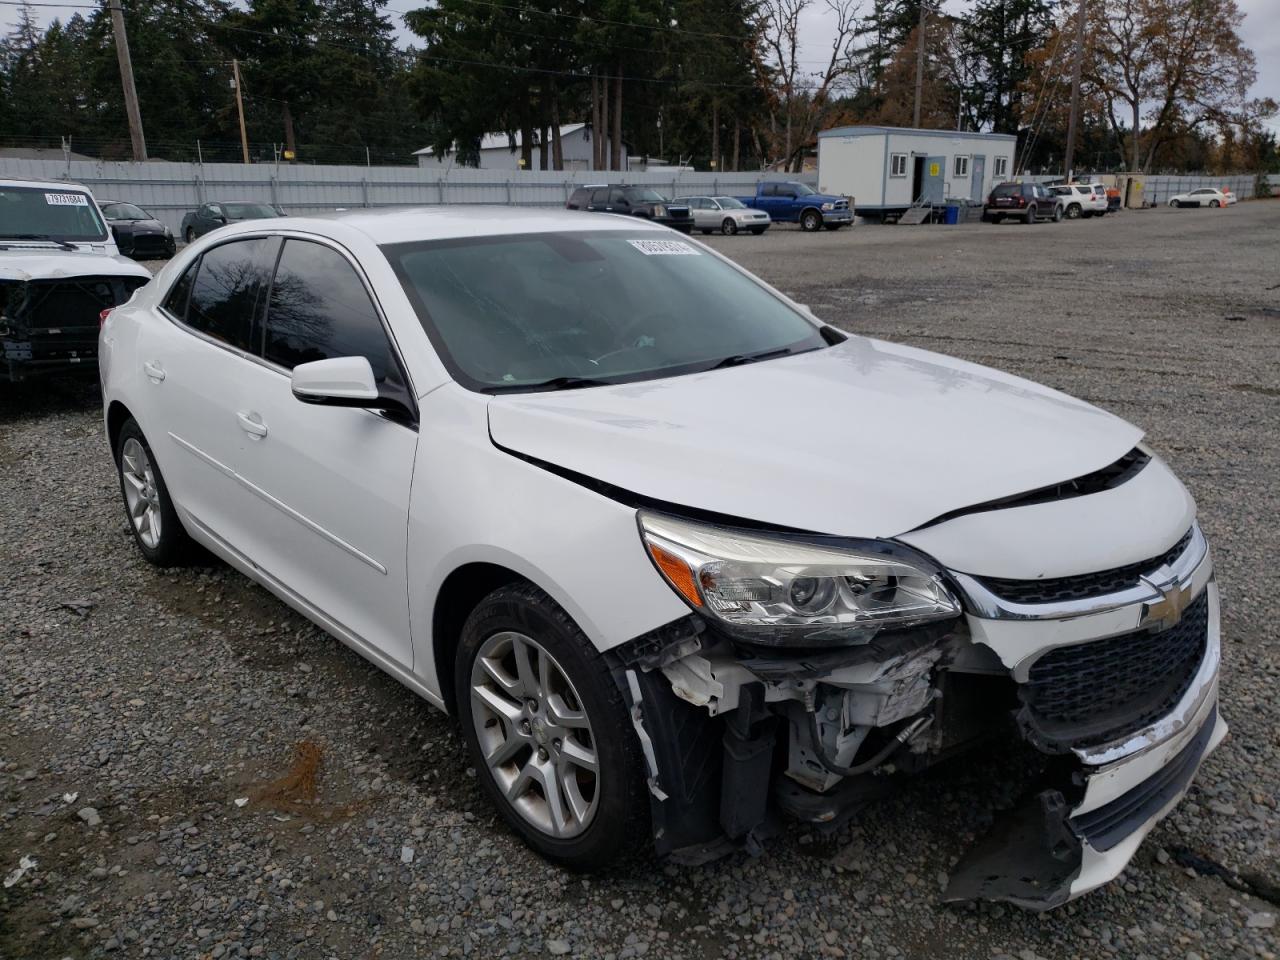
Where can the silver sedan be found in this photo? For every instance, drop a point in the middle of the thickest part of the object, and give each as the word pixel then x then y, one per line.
pixel 727 215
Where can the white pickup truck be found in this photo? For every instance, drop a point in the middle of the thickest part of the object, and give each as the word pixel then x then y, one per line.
pixel 59 269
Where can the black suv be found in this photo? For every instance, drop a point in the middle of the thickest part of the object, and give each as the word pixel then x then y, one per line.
pixel 638 201
pixel 1028 202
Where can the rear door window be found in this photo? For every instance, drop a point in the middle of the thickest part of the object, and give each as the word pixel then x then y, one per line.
pixel 180 293
pixel 224 296
pixel 319 308
pixel 600 197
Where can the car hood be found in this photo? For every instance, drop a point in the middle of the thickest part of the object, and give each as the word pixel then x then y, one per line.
pixel 138 226
pixel 865 438
pixel 54 263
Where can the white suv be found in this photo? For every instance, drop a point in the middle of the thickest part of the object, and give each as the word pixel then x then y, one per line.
pixel 673 577
pixel 1082 199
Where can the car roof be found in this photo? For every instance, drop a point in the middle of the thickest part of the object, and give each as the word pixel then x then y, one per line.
pixel 45 184
pixel 446 222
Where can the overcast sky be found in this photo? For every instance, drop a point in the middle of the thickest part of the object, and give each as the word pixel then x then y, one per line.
pixel 1261 32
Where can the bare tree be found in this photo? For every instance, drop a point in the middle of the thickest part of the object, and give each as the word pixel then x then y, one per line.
pixel 799 99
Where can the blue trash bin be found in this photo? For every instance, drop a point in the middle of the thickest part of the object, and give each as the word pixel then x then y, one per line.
pixel 952 214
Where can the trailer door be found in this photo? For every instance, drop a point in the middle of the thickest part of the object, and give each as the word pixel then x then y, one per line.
pixel 979 171
pixel 935 172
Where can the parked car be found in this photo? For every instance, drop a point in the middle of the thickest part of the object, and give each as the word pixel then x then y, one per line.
pixel 1081 199
pixel 1027 202
pixel 525 501
pixel 643 202
pixel 59 269
pixel 211 216
pixel 137 233
pixel 794 202
pixel 1204 197
pixel 726 215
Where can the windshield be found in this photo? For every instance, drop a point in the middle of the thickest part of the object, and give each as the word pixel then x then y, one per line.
pixel 248 211
pixel 645 195
pixel 124 211
pixel 729 203
pixel 512 312
pixel 59 214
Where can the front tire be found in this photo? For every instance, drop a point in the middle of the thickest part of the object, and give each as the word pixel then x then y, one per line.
pixel 810 221
pixel 152 518
pixel 1175 203
pixel 1057 215
pixel 191 234
pixel 547 730
pixel 729 227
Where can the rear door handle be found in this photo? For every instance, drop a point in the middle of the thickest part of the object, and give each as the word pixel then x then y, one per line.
pixel 153 370
pixel 251 423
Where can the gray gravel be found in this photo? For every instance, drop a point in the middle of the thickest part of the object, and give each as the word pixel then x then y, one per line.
pixel 146 718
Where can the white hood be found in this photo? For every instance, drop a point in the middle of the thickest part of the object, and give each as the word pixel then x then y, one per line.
pixel 866 438
pixel 32 261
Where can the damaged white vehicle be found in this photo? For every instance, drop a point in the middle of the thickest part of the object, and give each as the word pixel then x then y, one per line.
pixel 680 557
pixel 59 269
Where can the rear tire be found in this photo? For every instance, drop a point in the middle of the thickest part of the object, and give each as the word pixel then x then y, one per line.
pixel 729 227
pixel 1073 211
pixel 1030 215
pixel 1057 214
pixel 810 221
pixel 153 521
pixel 1214 203
pixel 543 714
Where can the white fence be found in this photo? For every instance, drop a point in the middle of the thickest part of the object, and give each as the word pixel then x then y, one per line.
pixel 168 190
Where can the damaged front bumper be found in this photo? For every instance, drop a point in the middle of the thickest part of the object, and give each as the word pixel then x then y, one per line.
pixel 1118 694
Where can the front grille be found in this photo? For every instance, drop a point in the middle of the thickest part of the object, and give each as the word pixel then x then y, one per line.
pixel 1086 585
pixel 150 243
pixel 1091 693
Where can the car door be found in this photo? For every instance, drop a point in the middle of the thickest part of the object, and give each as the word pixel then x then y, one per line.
pixel 195 368
pixel 704 212
pixel 330 484
pixel 599 199
pixel 767 199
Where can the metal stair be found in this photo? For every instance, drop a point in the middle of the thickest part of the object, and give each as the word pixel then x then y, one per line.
pixel 918 213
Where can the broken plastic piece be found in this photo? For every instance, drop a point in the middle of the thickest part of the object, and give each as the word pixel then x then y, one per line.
pixel 25 866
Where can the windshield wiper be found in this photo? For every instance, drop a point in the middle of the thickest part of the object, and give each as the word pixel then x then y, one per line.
pixel 554 383
pixel 738 359
pixel 42 237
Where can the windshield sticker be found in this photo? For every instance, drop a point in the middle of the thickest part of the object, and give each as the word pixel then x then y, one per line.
pixel 664 248
pixel 66 199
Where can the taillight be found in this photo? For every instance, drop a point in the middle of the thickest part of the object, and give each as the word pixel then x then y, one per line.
pixel 102 317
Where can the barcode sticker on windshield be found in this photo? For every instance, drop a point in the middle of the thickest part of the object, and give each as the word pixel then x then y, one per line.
pixel 664 248
pixel 66 199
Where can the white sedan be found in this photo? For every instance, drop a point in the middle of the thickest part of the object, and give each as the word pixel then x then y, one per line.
pixel 1204 197
pixel 679 555
pixel 726 215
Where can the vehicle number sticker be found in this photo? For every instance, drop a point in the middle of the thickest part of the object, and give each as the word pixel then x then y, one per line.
pixel 66 199
pixel 664 248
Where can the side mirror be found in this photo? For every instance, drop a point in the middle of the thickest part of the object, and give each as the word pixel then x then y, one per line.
pixel 337 382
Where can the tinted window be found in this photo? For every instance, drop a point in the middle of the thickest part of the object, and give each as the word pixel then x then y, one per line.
pixel 601 196
pixel 319 309
pixel 225 295
pixel 1006 190
pixel 616 197
pixel 176 303
pixel 249 211
pixel 580 197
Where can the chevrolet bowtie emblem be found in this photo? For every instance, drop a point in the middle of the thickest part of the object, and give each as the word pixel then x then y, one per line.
pixel 1164 613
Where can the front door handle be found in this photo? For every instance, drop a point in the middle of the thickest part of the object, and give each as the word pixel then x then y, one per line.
pixel 153 370
pixel 251 423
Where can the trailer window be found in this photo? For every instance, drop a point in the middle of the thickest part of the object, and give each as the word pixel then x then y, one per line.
pixel 1002 166
pixel 962 166
pixel 897 164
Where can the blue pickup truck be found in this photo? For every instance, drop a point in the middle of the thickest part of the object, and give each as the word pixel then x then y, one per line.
pixel 791 202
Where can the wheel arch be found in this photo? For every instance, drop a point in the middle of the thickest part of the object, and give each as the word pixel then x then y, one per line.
pixel 117 416
pixel 459 594
pixel 813 209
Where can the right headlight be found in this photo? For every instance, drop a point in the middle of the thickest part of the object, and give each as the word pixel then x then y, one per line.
pixel 786 591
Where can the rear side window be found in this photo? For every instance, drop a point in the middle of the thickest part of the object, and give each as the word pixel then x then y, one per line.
pixel 176 302
pixel 224 297
pixel 579 197
pixel 319 308
pixel 601 196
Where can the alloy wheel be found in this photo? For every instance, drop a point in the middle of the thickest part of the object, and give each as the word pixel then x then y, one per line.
pixel 141 493
pixel 729 227
pixel 534 734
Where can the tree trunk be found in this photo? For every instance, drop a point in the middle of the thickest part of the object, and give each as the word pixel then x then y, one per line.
pixel 289 143
pixel 557 149
pixel 1136 166
pixel 715 134
pixel 595 123
pixel 737 141
pixel 542 146
pixel 603 132
pixel 615 141
pixel 526 144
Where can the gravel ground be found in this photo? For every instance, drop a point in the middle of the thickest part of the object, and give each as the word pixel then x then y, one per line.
pixel 139 708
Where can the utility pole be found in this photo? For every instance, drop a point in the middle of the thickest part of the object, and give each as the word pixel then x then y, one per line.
pixel 244 138
pixel 126 79
pixel 915 116
pixel 1069 159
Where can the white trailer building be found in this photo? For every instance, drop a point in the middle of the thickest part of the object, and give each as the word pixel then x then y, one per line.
pixel 887 169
